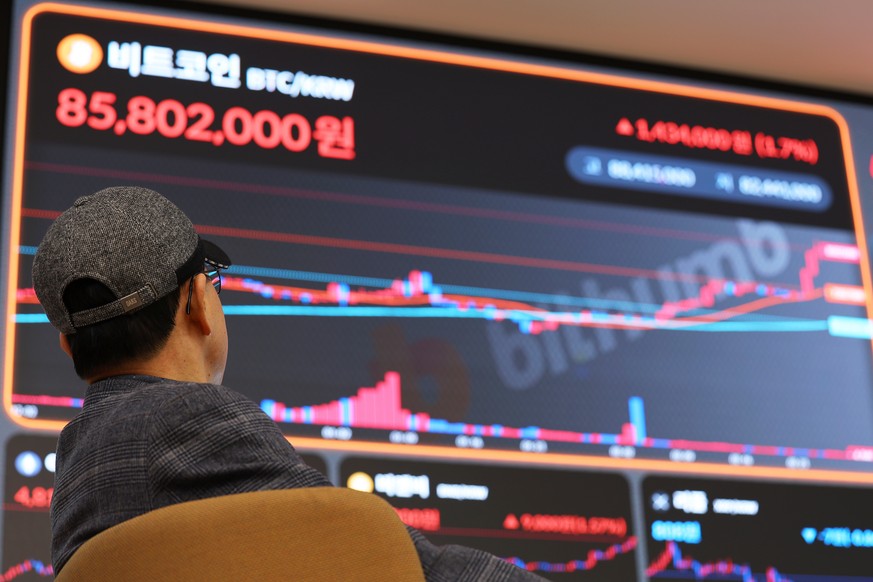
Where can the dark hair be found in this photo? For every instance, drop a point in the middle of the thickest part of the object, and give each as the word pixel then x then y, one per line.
pixel 98 349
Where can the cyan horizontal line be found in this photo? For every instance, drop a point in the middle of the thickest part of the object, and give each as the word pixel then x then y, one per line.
pixel 851 327
pixel 31 318
pixel 838 326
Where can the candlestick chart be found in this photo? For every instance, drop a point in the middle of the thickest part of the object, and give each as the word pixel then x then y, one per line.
pixel 484 338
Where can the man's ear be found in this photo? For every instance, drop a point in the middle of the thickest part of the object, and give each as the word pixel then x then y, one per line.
pixel 65 344
pixel 199 316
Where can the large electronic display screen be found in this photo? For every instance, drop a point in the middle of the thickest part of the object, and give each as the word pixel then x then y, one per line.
pixel 476 267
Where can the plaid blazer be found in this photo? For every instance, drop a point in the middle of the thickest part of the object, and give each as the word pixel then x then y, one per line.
pixel 142 442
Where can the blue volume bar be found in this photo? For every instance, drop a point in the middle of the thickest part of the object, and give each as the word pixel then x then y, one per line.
pixel 852 327
pixel 698 179
pixel 638 417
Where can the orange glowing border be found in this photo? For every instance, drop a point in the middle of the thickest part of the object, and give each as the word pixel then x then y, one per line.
pixel 450 58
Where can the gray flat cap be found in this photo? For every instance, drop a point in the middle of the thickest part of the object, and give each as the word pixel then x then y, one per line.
pixel 131 239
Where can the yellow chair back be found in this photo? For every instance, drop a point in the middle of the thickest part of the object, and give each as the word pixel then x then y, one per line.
pixel 320 533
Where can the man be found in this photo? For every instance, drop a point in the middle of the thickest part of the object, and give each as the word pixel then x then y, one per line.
pixel 133 291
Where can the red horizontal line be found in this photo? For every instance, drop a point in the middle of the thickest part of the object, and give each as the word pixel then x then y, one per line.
pixel 284 191
pixel 414 250
pixel 402 249
pixel 420 251
pixel 39 213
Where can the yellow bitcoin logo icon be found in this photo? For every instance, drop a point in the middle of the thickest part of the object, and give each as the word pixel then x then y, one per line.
pixel 79 53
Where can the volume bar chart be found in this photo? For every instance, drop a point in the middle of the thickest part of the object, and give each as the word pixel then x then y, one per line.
pixel 380 407
pixel 377 407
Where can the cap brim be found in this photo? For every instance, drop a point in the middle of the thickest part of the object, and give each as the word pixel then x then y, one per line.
pixel 215 255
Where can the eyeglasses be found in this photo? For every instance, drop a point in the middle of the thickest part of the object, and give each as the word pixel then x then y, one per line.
pixel 213 275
